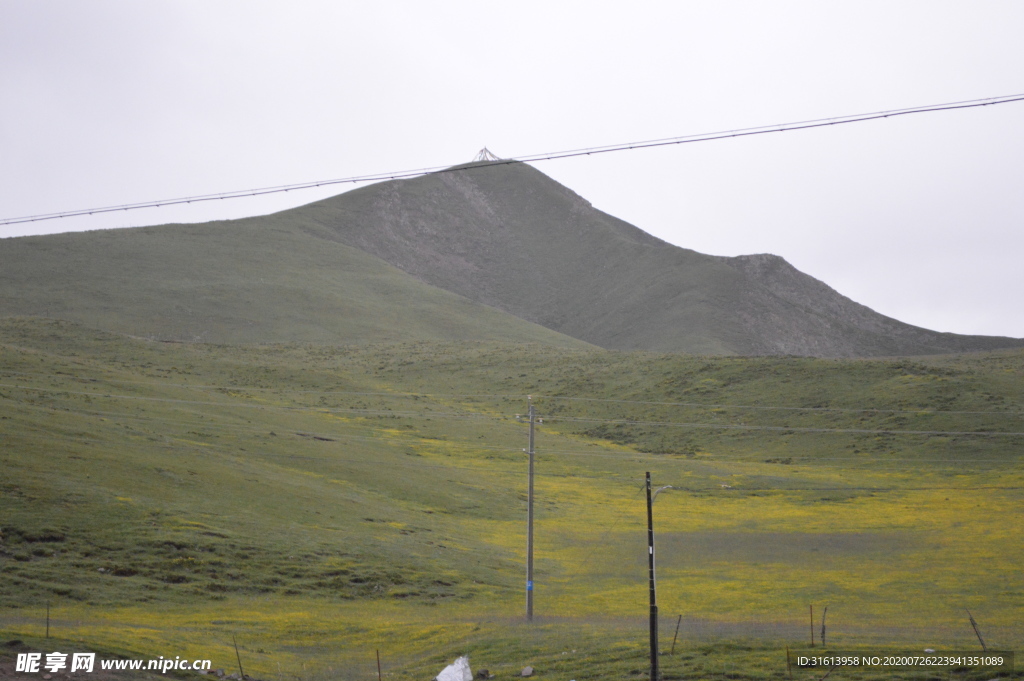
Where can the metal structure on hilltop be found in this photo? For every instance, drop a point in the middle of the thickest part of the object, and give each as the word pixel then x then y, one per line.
pixel 485 154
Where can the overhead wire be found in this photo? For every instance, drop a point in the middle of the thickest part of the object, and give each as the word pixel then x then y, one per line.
pixel 921 411
pixel 759 407
pixel 798 429
pixel 265 456
pixel 496 417
pixel 412 440
pixel 311 409
pixel 415 440
pixel 738 487
pixel 931 488
pixel 600 543
pixel 528 158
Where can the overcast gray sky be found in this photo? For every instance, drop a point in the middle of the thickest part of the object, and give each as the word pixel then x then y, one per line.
pixel 920 217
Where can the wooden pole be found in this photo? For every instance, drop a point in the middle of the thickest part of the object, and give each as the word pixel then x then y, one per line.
pixel 976 632
pixel 823 626
pixel 678 622
pixel 238 657
pixel 812 626
pixel 378 665
pixel 651 583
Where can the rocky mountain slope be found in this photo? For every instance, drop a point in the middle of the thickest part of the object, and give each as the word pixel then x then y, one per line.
pixel 510 237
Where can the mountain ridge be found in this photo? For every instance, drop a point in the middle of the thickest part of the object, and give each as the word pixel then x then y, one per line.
pixel 506 235
pixel 488 250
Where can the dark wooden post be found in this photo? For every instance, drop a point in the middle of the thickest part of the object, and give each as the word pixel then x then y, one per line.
pixel 650 570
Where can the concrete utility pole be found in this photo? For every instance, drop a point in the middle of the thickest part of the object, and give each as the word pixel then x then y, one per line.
pixel 529 527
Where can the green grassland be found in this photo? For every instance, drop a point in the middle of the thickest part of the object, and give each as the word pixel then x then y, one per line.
pixel 243 281
pixel 322 502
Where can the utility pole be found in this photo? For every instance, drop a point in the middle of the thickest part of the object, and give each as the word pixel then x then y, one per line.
pixel 650 569
pixel 529 527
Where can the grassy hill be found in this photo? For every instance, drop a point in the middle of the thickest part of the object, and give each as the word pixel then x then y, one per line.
pixel 320 502
pixel 246 281
pixel 482 252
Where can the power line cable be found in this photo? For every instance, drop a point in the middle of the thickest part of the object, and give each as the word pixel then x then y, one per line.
pixel 742 426
pixel 415 441
pixel 309 409
pixel 497 417
pixel 271 457
pixel 923 411
pixel 931 488
pixel 412 439
pixel 917 412
pixel 544 156
pixel 600 543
